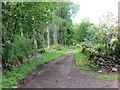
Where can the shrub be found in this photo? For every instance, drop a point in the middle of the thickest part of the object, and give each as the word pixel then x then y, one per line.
pixel 41 50
pixel 58 46
pixel 7 54
pixel 20 48
pixel 100 48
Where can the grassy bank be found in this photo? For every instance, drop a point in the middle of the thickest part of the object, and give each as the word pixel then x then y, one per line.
pixel 68 54
pixel 83 63
pixel 10 79
pixel 97 75
pixel 81 60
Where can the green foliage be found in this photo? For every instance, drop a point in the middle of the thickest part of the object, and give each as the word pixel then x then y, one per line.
pixel 23 22
pixel 104 36
pixel 102 41
pixel 20 48
pixel 80 31
pixel 8 53
pixel 100 48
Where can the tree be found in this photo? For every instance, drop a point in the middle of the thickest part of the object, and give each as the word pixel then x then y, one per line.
pixel 80 30
pixel 35 22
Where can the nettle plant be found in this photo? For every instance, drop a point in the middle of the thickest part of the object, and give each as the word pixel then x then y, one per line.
pixel 104 36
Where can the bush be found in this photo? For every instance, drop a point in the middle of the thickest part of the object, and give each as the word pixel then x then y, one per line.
pixel 7 54
pixel 19 49
pixel 41 50
pixel 22 47
pixel 100 48
pixel 58 46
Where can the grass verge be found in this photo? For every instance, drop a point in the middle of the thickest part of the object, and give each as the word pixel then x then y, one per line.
pixel 68 54
pixel 97 75
pixel 10 79
pixel 81 60
pixel 82 63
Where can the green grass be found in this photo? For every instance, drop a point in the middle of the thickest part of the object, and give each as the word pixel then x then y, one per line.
pixel 10 79
pixel 68 54
pixel 106 76
pixel 85 66
pixel 79 57
pixel 58 46
pixel 95 75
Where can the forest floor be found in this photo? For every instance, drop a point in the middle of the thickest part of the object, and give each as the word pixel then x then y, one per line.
pixel 62 73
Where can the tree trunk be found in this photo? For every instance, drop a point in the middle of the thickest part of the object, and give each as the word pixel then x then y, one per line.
pixel 54 30
pixel 21 30
pixel 35 44
pixel 55 35
pixel 48 37
pixel 43 40
pixel 61 38
pixel 35 41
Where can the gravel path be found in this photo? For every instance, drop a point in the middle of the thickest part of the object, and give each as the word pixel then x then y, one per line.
pixel 62 73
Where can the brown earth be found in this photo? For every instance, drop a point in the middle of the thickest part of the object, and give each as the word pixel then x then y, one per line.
pixel 62 73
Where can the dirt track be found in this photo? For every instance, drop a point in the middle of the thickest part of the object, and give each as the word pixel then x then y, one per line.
pixel 62 73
